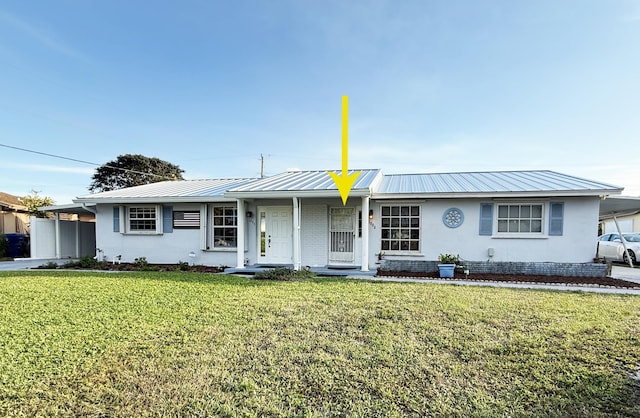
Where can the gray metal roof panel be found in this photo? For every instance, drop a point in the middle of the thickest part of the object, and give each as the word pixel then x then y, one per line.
pixel 173 189
pixel 305 181
pixel 487 182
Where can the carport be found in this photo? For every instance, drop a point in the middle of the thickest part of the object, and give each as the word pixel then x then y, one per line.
pixel 60 238
pixel 613 207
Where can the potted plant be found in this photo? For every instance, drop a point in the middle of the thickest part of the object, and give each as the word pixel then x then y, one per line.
pixel 447 264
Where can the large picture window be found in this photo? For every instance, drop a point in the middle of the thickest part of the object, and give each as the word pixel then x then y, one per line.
pixel 400 228
pixel 520 219
pixel 225 226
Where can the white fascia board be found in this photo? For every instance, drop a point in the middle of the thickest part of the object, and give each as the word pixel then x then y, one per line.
pixel 291 194
pixel 493 195
pixel 155 200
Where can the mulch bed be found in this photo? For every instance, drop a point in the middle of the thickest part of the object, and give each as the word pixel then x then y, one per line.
pixel 539 279
pixel 149 267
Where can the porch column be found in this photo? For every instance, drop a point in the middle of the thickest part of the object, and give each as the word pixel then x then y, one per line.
pixel 240 234
pixel 297 263
pixel 78 237
pixel 365 234
pixel 58 241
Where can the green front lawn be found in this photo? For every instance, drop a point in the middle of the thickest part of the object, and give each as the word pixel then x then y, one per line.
pixel 187 344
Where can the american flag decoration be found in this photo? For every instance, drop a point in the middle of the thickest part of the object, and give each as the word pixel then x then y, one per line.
pixel 186 220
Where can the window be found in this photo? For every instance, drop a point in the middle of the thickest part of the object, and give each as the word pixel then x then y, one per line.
pixel 520 219
pixel 400 228
pixel 225 226
pixel 142 219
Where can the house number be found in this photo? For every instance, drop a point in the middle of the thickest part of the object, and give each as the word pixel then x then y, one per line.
pixel 453 217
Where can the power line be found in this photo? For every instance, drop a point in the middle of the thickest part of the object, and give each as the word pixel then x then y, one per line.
pixel 81 161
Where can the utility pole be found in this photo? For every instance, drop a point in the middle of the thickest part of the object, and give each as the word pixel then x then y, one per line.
pixel 261 166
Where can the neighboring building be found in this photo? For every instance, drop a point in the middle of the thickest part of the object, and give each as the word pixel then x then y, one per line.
pixel 297 218
pixel 14 217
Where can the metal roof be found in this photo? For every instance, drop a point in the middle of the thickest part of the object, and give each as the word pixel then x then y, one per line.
pixel 176 190
pixel 494 182
pixel 370 182
pixel 619 206
pixel 305 181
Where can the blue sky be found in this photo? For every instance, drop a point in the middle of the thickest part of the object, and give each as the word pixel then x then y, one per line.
pixel 433 86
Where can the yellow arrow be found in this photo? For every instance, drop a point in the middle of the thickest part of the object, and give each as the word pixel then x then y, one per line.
pixel 345 181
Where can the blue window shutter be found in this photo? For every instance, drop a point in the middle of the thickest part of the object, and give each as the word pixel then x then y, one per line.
pixel 116 219
pixel 486 219
pixel 556 215
pixel 167 219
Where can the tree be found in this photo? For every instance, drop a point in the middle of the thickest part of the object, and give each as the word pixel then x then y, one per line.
pixel 133 170
pixel 33 201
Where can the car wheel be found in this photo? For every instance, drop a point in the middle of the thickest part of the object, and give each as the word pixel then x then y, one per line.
pixel 632 255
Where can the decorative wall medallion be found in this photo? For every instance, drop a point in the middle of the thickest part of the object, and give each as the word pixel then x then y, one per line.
pixel 453 217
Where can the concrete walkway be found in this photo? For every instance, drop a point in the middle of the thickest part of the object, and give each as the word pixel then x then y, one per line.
pixel 618 272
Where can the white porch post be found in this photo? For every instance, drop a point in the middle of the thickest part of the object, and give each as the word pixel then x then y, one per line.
pixel 240 235
pixel 58 241
pixel 297 263
pixel 78 237
pixel 624 241
pixel 365 234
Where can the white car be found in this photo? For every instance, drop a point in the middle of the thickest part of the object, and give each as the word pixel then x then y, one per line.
pixel 610 247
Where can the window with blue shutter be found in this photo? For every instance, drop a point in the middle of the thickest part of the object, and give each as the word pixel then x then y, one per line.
pixel 486 218
pixel 116 219
pixel 556 218
pixel 167 219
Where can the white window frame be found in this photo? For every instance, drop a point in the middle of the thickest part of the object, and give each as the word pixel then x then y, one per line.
pixel 125 220
pixel 408 227
pixel 544 219
pixel 212 244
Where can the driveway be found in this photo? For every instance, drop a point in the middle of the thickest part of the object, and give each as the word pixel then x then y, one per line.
pixel 626 273
pixel 27 263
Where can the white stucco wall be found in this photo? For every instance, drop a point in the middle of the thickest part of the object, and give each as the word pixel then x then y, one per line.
pixel 167 248
pixel 577 244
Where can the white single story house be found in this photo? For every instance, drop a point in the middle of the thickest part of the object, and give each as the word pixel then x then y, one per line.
pixel 297 218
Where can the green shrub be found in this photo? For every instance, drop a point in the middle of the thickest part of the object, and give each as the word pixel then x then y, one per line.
pixel 183 266
pixel 284 274
pixel 4 245
pixel 86 262
pixel 140 262
pixel 51 265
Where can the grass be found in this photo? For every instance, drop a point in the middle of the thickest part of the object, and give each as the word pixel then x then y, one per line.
pixel 187 344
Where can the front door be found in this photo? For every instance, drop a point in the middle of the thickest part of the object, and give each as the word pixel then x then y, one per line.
pixel 342 235
pixel 275 241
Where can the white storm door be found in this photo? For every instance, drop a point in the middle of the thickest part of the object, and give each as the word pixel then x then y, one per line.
pixel 342 235
pixel 275 245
